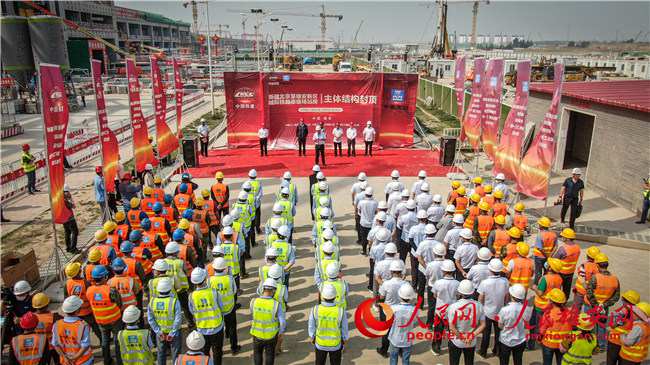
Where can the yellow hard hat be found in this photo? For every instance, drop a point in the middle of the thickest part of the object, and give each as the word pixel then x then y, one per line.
pixel 644 307
pixel 218 175
pixel 72 269
pixel 568 233
pixel 205 193
pixel 157 180
pixel 40 300
pixel 556 296
pixel 94 255
pixel 184 224
pixel 544 222
pixel 455 184
pixel 148 190
pixel 487 188
pixel 199 202
pixel 498 194
pixel 592 252
pixel 500 220
pixel 461 190
pixel 601 258
pixel 519 207
pixel 135 202
pixel 554 263
pixel 484 206
pixel 475 198
pixel 477 180
pixel 109 226
pixel 523 249
pixel 101 235
pixel 120 216
pixel 632 296
pixel 585 322
pixel 514 232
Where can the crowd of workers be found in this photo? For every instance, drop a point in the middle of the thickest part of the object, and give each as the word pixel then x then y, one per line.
pixel 174 260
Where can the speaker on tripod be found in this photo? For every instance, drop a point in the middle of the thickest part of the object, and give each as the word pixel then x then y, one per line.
pixel 447 150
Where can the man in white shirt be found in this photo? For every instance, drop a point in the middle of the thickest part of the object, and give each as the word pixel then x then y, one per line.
pixel 203 132
pixel 424 199
pixel 415 188
pixel 337 134
pixel 492 293
pixel 369 135
pixel 512 339
pixel 351 135
pixel 367 208
pixel 403 325
pixel 452 238
pixel 389 294
pixel 466 254
pixel 466 322
pixel 263 135
pixel 319 144
pixel 432 273
pixel 444 292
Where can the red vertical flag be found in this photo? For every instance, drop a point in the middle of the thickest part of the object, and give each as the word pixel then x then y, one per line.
pixel 472 120
pixel 533 175
pixel 55 119
pixel 143 152
pixel 107 139
pixel 166 140
pixel 459 86
pixel 492 87
pixel 178 87
pixel 508 153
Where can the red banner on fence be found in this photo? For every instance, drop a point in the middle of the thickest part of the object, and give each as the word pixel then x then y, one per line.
pixel 55 119
pixel 459 86
pixel 472 119
pixel 533 173
pixel 166 140
pixel 508 153
pixel 492 87
pixel 143 152
pixel 178 88
pixel 109 145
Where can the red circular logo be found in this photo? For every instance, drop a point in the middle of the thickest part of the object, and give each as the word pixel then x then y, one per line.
pixel 366 322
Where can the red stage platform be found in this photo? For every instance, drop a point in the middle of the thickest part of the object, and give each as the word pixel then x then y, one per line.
pixel 237 162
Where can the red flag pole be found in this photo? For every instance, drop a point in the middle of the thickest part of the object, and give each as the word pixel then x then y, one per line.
pixel 107 211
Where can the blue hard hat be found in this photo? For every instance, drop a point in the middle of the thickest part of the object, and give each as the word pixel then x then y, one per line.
pixel 168 199
pixel 183 188
pixel 188 214
pixel 157 207
pixel 178 235
pixel 126 246
pixel 186 176
pixel 100 272
pixel 145 224
pixel 135 236
pixel 118 265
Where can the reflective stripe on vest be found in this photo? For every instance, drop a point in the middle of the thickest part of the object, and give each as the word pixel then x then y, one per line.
pixel 219 192
pixel 511 253
pixel 158 227
pixel 146 205
pixel 569 262
pixel 70 335
pixel 639 351
pixel 501 238
pixel 163 311
pixel 222 284
pixel 124 286
pixel 27 166
pixel 182 202
pixel 581 351
pixel 328 325
pixel 29 349
pixel 286 210
pixel 553 281
pixel 265 324
pixel 485 224
pixel 138 255
pixel 548 239
pixel 522 271
pixel 78 287
pixel 149 242
pixel 461 204
pixel 471 216
pixel 168 213
pixel 231 255
pixel 606 285
pixel 134 218
pixel 176 269
pixel 559 328
pixel 104 309
pixel 134 347
pixel 207 313
pixel 244 214
pixel 620 324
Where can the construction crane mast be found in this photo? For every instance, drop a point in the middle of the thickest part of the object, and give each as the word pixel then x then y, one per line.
pixel 440 47
pixel 474 19
pixel 195 14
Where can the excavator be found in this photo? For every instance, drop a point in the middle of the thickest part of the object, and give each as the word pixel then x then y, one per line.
pixel 292 63
pixel 543 72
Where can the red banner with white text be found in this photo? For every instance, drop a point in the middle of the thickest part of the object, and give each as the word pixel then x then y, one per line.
pixel 459 87
pixel 472 120
pixel 55 119
pixel 165 139
pixel 178 88
pixel 508 152
pixel 141 146
pixel 108 141
pixel 533 173
pixel 492 87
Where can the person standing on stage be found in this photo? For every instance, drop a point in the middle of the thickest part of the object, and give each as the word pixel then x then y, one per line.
pixel 337 132
pixel 263 135
pixel 204 133
pixel 319 144
pixel 369 135
pixel 301 133
pixel 351 135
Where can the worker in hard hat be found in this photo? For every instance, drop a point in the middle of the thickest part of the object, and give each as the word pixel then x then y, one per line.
pixel 499 207
pixel 46 319
pixel 237 235
pixel 293 190
pixel 161 270
pixel 466 254
pixel 201 218
pixel 71 335
pixel 417 185
pixel 603 291
pixel 453 194
pixel 545 244
pixel 492 293
pixel 94 255
pixel 452 239
pixel 320 190
pixel 273 223
pixel 245 218
pixel 147 240
pixel 185 251
pixel 477 186
pixel 234 258
pixel 395 197
pixel 124 284
pixel 378 237
pixel 394 181
pixel 19 303
pixel 580 348
pixel 461 201
pixel 404 222
pixel 554 326
pixel 135 215
pixel 286 252
pixel 113 237
pixel 488 197
pixel 416 235
pixel 400 343
pixel 472 211
pixel 313 179
pixel 432 273
pixel 634 349
pixel 270 259
pixel 333 278
pixel 220 194
pixel 509 251
pixel 585 272
pixel 512 322
pixel 210 206
pixel 466 321
pixel 569 253
pixel 446 223
pixel 399 208
pixel 329 254
pixel 136 345
pixel 193 234
pixel 358 187
pixel 77 285
pixel 107 252
pixel 621 322
pixel 519 219
pixel 159 222
pixel 549 281
pixel 480 271
pixel 258 192
pixel 388 293
pixel 423 199
pixel 224 283
pixel 498 236
pixel 436 211
pixel 328 239
pixel 158 189
pixel 183 199
pixel 382 268
pixel 323 203
pixel 318 230
pixel 328 327
pixel 483 224
pixel 134 267
pixel 186 178
pixel 267 325
pixel 196 345
pixel 288 207
pixel 178 268
pixel 281 294
pixel 105 303
pixel 29 347
pixel 123 229
pixel 170 212
pixel 148 200
pixel 164 316
pixel 444 290
pixel 521 269
pixel 500 185
pixel 206 308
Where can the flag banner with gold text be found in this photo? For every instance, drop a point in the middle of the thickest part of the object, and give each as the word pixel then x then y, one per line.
pixel 107 139
pixel 178 87
pixel 143 152
pixel 472 119
pixel 55 120
pixel 166 140
pixel 533 173
pixel 508 152
pixel 492 87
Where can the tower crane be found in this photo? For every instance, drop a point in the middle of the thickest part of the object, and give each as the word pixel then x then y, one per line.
pixel 474 18
pixel 354 40
pixel 195 14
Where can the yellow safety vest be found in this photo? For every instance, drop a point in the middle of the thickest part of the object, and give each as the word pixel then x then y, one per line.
pixel 580 351
pixel 328 325
pixel 322 266
pixel 251 203
pixel 231 255
pixel 282 248
pixel 221 282
pixel 163 311
pixel 264 272
pixel 286 212
pixel 153 286
pixel 244 216
pixel 265 324
pixel 255 185
pixel 340 299
pixel 268 240
pixel 207 313
pixel 134 347
pixel 27 166
pixel 176 266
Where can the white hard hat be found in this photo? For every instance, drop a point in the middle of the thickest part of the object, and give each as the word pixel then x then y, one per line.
pixel 395 186
pixel 406 292
pixel 362 176
pixel 369 123
pixel 450 208
pixel 227 220
pixel 269 284
pixel 328 234
pixel 284 231
pixel 148 167
pixel 66 187
pixel 466 287
pixel 271 252
pixel 235 214
pixel 495 265
pixel 322 186
pixel 286 175
pixel 410 204
pixel 484 253
pixel 285 190
pixel 517 291
pixel 324 201
pixel 369 191
pixel 328 292
pixel 320 175
pixel 448 266
pixel 275 271
pixel 278 208
pixel 22 287
pixel 466 233
pixel 424 187
pixel 382 205
pixel 164 285
pixel 421 214
pixel 576 171
pixel 430 229
pixel 394 173
pixel 275 224
pixel 195 341
pixel 458 219
pixel 242 195
pixel 422 173
pixel 437 198
pixel 172 248
pixel 227 230
pixel 500 176
pixel 71 304
pixel 381 216
pixel 219 263
pixel 396 265
pixel 439 249
pixel 328 247
pixel 131 314
pixel 327 224
pixel 316 168
pixel 332 270
pixel 325 212
pixel 217 250
pixel 317 127
pixel 246 185
pixel 405 192
pixel 390 248
pixel 363 185
pixel 198 275
pixel 160 265
pixel 252 173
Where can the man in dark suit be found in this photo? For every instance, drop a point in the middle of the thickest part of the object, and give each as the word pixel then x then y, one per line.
pixel 301 133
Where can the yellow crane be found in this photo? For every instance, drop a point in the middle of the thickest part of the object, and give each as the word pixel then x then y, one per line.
pixel 195 14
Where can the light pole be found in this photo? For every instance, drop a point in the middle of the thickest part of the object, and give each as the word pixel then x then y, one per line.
pixel 209 38
pixel 284 48
pixel 258 13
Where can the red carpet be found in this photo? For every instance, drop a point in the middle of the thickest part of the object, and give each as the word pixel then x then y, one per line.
pixel 237 162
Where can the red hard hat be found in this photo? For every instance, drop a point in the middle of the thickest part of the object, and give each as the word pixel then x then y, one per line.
pixel 127 176
pixel 98 169
pixel 25 146
pixel 28 321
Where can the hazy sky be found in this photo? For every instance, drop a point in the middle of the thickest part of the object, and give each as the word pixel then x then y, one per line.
pixel 406 21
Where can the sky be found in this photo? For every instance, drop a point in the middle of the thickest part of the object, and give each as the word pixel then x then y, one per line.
pixel 415 21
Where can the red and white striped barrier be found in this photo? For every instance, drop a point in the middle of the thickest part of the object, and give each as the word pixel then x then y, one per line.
pixel 14 130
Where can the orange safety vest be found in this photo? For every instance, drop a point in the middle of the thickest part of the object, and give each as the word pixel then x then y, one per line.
pixel 134 218
pixel 29 349
pixel 511 253
pixel 587 269
pixel 489 199
pixel 188 239
pixel 70 335
pixel 158 226
pixel 639 351
pixel 130 269
pixel 452 197
pixel 78 287
pixel 461 204
pixel 501 238
pixel 211 208
pixel 183 254
pixel 199 217
pixel 192 360
pixel 480 190
pixel 123 231
pixel 522 271
pixel 149 242
pixel 88 271
pixel 104 309
pixel 190 188
pixel 159 194
pixel 485 224
pixel 548 244
pixel 114 240
pixel 124 285
pixel 559 327
pixel 571 259
pixel 473 213
pixel 520 221
pixel 606 285
pixel 146 205
pixel 499 208
pixel 553 281
pixel 168 213
pixel 182 202
pixel 105 249
pixel 45 323
pixel 138 255
pixel 618 331
pixel 219 191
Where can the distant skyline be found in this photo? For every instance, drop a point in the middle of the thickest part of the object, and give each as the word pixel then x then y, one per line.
pixel 405 21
